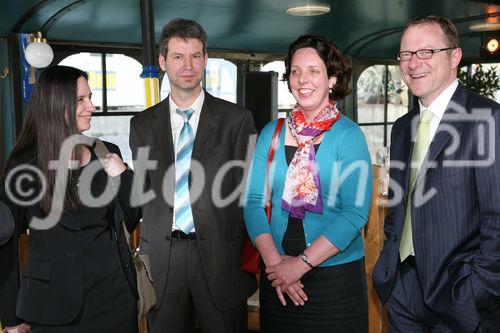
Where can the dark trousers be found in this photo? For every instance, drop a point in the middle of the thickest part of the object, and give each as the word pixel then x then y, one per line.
pixel 407 311
pixel 337 302
pixel 187 297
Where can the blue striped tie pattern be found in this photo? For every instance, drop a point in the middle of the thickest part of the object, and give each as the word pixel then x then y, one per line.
pixel 182 203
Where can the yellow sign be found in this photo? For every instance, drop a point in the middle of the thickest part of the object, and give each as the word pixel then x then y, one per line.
pixel 95 80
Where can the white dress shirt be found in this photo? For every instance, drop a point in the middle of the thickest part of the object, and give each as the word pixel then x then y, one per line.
pixel 438 107
pixel 177 121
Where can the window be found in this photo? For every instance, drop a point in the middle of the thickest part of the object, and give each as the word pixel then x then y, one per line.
pixel 117 91
pixel 113 129
pixel 124 86
pixel 286 101
pixel 220 80
pixel 485 83
pixel 382 97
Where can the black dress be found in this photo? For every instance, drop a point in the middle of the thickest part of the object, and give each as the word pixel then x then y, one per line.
pixel 337 296
pixel 109 304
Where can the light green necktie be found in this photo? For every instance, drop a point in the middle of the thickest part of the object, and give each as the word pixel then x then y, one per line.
pixel 422 142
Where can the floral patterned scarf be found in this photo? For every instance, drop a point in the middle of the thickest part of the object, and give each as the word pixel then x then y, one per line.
pixel 302 187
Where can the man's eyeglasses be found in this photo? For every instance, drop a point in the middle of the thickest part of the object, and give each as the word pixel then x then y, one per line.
pixel 421 54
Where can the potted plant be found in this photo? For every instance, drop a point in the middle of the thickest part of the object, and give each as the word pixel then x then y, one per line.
pixel 484 82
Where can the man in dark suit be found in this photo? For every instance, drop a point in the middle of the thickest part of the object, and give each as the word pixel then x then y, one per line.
pixel 439 269
pixel 194 243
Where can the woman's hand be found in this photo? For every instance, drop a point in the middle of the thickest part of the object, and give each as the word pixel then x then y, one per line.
pixel 113 165
pixel 22 328
pixel 288 271
pixel 295 292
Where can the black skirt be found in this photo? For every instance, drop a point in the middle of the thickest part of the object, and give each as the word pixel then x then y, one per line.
pixel 337 302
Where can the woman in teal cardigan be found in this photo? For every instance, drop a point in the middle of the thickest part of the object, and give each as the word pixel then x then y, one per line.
pixel 321 185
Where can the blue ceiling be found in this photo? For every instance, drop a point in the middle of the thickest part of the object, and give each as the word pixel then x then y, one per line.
pixel 363 28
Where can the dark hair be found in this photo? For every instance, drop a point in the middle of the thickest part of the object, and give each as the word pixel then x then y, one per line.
pixel 336 64
pixel 24 142
pixel 51 118
pixel 182 28
pixel 447 27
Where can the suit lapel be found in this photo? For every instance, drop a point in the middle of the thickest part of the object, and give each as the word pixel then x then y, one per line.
pixel 206 127
pixel 162 132
pixel 404 148
pixel 448 123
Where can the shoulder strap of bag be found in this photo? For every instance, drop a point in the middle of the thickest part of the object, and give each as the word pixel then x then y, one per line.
pixel 101 151
pixel 270 158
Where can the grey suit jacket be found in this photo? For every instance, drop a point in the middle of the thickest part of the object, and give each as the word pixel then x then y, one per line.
pixel 223 133
pixel 456 232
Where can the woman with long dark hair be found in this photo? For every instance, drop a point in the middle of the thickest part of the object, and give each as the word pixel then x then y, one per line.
pixel 314 278
pixel 77 277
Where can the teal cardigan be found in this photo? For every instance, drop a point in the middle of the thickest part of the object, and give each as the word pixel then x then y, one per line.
pixel 345 173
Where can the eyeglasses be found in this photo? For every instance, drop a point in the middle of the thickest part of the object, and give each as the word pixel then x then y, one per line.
pixel 421 54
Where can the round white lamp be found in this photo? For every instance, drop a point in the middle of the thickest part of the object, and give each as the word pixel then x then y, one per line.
pixel 38 53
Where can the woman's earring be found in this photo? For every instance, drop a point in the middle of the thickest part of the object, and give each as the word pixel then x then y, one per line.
pixel 330 90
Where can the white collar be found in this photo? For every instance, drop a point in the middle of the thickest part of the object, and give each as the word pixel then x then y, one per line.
pixel 196 106
pixel 438 106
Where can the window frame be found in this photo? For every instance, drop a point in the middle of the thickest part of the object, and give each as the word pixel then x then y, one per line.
pixel 385 123
pixel 62 51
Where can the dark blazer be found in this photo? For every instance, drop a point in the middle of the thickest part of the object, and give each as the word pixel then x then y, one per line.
pixel 456 233
pixel 51 286
pixel 6 223
pixel 222 135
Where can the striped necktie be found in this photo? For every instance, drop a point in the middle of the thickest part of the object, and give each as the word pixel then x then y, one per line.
pixel 422 142
pixel 182 203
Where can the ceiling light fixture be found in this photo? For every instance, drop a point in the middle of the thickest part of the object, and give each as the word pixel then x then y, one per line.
pixel 485 26
pixel 308 9
pixel 38 53
pixel 492 45
pixel 491 23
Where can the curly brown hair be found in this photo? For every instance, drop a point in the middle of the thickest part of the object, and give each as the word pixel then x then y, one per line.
pixel 336 64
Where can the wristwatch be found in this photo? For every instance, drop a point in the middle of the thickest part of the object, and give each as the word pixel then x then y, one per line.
pixel 305 259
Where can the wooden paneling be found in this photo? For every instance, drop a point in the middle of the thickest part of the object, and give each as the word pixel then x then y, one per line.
pixel 374 240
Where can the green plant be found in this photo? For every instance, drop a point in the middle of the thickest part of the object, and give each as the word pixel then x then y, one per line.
pixel 483 82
